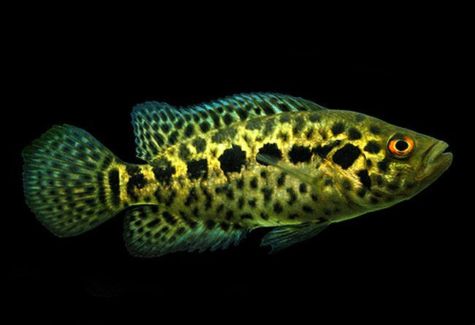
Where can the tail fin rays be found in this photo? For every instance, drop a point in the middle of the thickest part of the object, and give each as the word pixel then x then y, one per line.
pixel 66 179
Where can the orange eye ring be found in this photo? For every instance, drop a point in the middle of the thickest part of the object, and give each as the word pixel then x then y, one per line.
pixel 401 146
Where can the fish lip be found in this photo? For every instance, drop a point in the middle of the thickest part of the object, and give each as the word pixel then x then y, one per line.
pixel 435 161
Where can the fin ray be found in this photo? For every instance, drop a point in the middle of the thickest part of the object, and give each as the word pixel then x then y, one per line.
pixel 151 231
pixel 64 180
pixel 285 236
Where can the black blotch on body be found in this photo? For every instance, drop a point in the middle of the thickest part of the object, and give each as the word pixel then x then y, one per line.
pixel 300 154
pixel 199 144
pixel 346 184
pixel 323 151
pixel 372 147
pixel 163 171
pixel 232 160
pixel 114 185
pixel 303 188
pixel 393 186
pixel 269 127
pixel 292 196
pixel 254 124
pixel 271 150
pixel 285 118
pixel 338 128
pixel 314 117
pixel 346 156
pixel 230 193
pixel 224 134
pixel 278 207
pixel 281 179
pixel 246 216
pixel 298 125
pixel 383 165
pixel 241 202
pixel 229 215
pixel 364 178
pixel 267 192
pixel 374 129
pixel 192 197
pixel 135 181
pixel 354 134
pixel 210 224
pixel 168 218
pixel 307 209
pixel 264 216
pixel 183 152
pixel 253 182
pixel 197 168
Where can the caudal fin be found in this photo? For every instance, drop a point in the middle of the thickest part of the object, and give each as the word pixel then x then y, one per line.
pixel 70 181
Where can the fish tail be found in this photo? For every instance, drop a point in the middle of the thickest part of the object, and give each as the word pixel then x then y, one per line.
pixel 71 181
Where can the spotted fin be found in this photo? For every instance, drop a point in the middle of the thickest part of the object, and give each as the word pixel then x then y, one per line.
pixel 153 231
pixel 285 236
pixel 160 125
pixel 70 181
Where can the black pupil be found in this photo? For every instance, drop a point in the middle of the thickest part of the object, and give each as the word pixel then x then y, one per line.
pixel 401 145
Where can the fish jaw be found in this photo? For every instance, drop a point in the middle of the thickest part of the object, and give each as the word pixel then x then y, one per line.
pixel 434 164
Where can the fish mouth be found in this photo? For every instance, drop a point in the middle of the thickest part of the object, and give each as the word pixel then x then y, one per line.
pixel 435 162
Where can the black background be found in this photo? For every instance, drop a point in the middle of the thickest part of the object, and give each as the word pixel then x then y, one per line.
pixel 412 262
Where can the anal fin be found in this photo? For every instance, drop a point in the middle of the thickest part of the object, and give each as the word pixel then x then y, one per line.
pixel 154 231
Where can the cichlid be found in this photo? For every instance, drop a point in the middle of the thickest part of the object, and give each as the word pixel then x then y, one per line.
pixel 213 172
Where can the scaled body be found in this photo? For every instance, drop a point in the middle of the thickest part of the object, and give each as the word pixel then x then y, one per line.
pixel 217 170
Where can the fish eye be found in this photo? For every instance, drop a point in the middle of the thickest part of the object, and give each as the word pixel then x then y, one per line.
pixel 401 146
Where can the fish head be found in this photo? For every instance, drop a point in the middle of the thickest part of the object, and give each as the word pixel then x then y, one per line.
pixel 395 163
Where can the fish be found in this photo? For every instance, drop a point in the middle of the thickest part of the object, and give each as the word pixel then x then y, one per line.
pixel 213 172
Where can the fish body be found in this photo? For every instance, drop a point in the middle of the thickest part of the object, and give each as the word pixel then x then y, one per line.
pixel 216 171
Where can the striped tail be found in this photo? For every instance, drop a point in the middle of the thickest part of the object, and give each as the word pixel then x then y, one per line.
pixel 71 181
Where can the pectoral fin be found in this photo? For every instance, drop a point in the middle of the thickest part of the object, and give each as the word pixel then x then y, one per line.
pixel 297 172
pixel 285 236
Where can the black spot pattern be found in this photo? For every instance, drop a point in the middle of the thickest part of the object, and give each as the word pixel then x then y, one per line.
pixel 232 160
pixel 346 156
pixel 183 151
pixel 114 185
pixel 354 134
pixel 197 168
pixel 199 144
pixel 372 147
pixel 364 178
pixel 163 171
pixel 300 154
pixel 323 151
pixel 338 128
pixel 271 150
pixel 383 165
pixel 374 129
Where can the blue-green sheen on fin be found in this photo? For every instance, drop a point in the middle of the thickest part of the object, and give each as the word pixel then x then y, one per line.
pixel 151 231
pixel 65 181
pixel 285 236
pixel 159 125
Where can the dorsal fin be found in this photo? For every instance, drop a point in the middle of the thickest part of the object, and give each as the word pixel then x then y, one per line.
pixel 160 125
